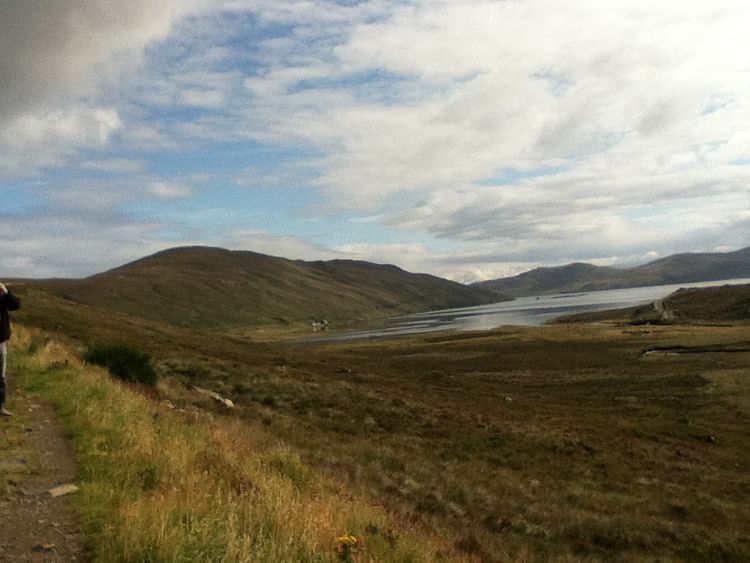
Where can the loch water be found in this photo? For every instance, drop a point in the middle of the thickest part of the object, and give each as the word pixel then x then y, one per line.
pixel 523 311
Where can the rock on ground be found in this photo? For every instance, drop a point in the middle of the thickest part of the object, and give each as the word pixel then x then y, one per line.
pixel 34 525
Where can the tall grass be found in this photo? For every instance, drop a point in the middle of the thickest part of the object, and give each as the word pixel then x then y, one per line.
pixel 165 485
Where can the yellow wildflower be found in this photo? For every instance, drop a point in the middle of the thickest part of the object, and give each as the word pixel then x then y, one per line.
pixel 348 540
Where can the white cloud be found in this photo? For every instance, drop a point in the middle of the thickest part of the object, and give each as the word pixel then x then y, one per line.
pixel 56 57
pixel 464 264
pixel 520 132
pixel 169 190
pixel 56 49
pixel 468 266
pixel 29 143
pixel 616 92
pixel 117 165
pixel 285 246
pixel 202 98
pixel 47 246
pixel 284 175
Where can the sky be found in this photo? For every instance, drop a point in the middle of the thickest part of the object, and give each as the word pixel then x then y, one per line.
pixel 470 139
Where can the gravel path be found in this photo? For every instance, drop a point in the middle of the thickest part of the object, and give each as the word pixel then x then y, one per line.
pixel 34 525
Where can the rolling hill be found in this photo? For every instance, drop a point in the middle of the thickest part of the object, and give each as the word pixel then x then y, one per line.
pixel 679 268
pixel 713 304
pixel 204 287
pixel 720 304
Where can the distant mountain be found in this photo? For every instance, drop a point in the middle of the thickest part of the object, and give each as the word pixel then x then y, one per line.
pixel 213 287
pixel 679 268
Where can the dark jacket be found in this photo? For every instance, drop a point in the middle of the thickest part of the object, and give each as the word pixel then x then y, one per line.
pixel 8 302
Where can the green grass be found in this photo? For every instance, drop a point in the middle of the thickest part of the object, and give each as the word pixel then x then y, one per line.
pixel 163 485
pixel 559 443
pixel 729 304
pixel 17 460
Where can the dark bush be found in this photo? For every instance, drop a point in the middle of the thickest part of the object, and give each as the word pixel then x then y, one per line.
pixel 124 362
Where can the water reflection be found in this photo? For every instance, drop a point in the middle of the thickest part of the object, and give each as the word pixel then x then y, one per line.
pixel 524 311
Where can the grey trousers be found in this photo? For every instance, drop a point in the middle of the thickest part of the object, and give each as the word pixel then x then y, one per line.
pixel 3 359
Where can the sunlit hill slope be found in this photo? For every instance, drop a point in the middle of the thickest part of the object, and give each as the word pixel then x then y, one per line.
pixel 213 287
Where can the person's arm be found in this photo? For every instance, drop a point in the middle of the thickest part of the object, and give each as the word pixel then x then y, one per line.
pixel 12 302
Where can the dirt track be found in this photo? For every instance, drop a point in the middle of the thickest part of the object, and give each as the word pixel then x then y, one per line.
pixel 34 526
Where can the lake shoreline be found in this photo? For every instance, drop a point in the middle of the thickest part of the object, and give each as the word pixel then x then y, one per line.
pixel 523 311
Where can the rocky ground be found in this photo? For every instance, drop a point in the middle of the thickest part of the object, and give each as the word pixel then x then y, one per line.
pixel 36 464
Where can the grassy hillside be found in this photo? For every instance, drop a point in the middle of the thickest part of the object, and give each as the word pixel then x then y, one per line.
pixel 680 268
pixel 212 287
pixel 728 303
pixel 161 484
pixel 725 304
pixel 563 279
pixel 562 443
pixel 556 443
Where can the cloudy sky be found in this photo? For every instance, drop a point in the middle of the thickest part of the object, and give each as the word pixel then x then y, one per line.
pixel 471 139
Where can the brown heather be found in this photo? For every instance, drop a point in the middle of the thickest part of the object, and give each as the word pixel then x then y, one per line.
pixel 558 443
pixel 162 485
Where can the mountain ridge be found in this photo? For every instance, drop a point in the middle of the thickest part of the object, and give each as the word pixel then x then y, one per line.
pixel 209 287
pixel 579 276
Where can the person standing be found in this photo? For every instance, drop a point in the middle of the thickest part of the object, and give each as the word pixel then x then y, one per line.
pixel 8 302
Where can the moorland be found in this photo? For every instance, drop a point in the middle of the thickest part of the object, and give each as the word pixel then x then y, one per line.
pixel 614 440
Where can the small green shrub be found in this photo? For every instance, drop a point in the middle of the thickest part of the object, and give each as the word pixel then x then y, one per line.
pixel 124 362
